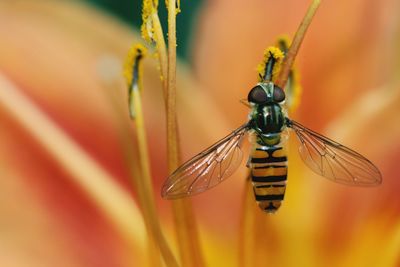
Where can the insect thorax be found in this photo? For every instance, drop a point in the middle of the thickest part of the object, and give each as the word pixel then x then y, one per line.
pixel 268 121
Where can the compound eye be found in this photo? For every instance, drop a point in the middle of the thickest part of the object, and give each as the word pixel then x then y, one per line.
pixel 257 95
pixel 279 94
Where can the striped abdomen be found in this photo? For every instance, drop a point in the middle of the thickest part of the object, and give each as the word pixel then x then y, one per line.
pixel 268 174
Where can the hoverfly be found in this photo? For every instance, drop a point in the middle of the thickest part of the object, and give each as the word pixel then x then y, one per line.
pixel 267 125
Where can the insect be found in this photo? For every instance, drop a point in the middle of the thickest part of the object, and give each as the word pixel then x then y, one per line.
pixel 267 126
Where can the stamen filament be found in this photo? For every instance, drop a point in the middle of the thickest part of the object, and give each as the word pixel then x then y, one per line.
pixel 143 182
pixel 295 46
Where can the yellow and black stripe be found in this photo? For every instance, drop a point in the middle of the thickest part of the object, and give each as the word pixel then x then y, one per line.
pixel 268 175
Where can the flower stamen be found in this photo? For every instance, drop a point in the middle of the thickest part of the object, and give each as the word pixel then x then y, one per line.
pixel 270 66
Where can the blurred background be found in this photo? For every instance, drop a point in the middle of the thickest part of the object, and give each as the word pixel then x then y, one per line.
pixel 66 197
pixel 130 13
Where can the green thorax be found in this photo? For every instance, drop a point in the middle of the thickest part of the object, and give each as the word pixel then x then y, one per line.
pixel 268 120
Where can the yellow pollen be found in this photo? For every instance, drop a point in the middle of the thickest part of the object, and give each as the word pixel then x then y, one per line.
pixel 147 28
pixel 132 61
pixel 271 53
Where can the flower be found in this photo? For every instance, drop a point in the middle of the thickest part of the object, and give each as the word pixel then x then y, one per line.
pixel 65 192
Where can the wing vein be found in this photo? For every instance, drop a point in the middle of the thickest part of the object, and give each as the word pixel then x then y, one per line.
pixel 333 160
pixel 208 168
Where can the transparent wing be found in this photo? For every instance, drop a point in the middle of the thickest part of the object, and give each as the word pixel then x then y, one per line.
pixel 333 160
pixel 208 168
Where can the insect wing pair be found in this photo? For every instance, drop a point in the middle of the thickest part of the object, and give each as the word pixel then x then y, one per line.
pixel 321 154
